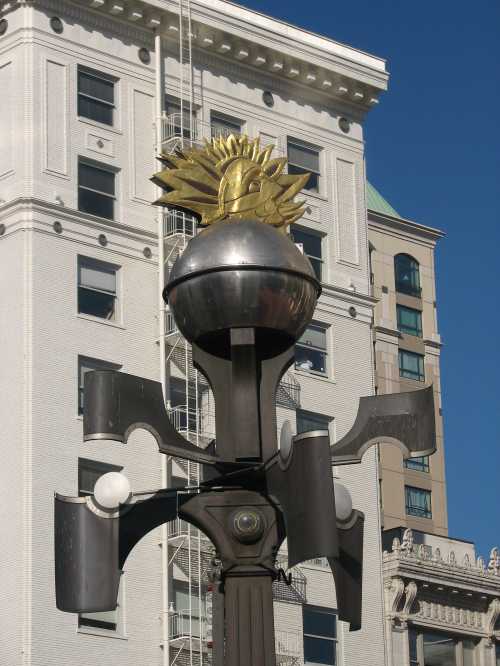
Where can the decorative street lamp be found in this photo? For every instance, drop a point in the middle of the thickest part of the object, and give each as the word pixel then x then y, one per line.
pixel 242 294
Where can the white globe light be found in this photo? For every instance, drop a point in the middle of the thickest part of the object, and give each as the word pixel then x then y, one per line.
pixel 343 501
pixel 111 490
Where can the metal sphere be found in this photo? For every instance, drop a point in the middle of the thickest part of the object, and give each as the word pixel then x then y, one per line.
pixel 247 525
pixel 242 273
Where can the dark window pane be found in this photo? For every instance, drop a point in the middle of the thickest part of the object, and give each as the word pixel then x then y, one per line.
pixel 313 182
pixel 96 204
pixel 97 87
pixel 411 365
pixel 319 651
pixel 418 502
pixel 439 650
pixel 320 622
pixel 310 359
pixel 96 303
pixel 310 242
pixel 306 421
pixel 86 620
pixel 304 157
pixel 409 320
pixel 222 126
pixel 412 646
pixel 95 110
pixel 96 179
pixel 407 275
pixel 314 336
pixel 420 464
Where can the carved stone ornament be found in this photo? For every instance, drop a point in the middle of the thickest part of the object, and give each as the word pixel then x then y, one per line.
pixel 491 619
pixel 231 178
pixel 411 594
pixel 407 543
pixel 494 563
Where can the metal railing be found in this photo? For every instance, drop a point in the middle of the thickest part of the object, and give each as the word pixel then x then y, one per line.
pixel 184 419
pixel 175 133
pixel 184 625
pixel 176 222
pixel 288 393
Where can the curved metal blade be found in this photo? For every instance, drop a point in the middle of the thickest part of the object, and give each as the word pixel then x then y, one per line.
pixel 116 403
pixel 405 419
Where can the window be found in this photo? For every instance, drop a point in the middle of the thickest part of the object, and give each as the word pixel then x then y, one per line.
pixel 497 652
pixel 308 421
pixel 418 502
pixel 221 125
pixel 436 649
pixel 97 288
pixel 407 275
pixel 420 464
pixel 86 365
pixel 88 473
pixel 310 350
pixel 311 244
pixel 173 111
pixel 409 320
pixel 412 647
pixel 320 635
pixel 96 96
pixel 304 159
pixel 411 365
pixel 96 190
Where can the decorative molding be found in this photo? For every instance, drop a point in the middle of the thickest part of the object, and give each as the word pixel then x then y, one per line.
pixel 411 594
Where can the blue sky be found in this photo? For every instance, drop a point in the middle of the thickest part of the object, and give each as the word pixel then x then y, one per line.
pixel 433 150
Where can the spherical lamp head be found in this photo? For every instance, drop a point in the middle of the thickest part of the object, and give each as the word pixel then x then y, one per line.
pixel 111 490
pixel 343 501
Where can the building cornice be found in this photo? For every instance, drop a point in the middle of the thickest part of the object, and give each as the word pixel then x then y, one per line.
pixel 243 36
pixel 408 228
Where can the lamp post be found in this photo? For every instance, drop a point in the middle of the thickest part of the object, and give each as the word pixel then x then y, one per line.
pixel 242 294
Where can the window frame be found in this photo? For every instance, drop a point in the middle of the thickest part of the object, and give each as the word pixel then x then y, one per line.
pixel 223 119
pixel 418 330
pixel 416 645
pixel 310 232
pixel 414 290
pixel 325 328
pixel 312 417
pixel 88 624
pixel 331 639
pixel 98 166
pixel 420 377
pixel 299 169
pixel 93 364
pixel 94 263
pixel 100 76
pixel 420 464
pixel 413 510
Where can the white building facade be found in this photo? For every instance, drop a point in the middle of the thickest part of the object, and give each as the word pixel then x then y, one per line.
pixel 442 603
pixel 91 93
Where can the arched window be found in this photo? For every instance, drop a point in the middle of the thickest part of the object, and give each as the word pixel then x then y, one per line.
pixel 407 273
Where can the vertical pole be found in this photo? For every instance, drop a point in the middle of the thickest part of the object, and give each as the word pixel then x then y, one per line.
pixel 249 620
pixel 159 111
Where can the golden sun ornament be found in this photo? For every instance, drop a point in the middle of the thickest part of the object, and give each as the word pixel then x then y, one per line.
pixel 231 178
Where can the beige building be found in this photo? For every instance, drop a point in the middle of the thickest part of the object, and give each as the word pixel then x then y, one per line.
pixel 406 351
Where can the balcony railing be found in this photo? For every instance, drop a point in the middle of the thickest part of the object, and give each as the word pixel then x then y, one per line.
pixel 176 222
pixel 182 624
pixel 175 133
